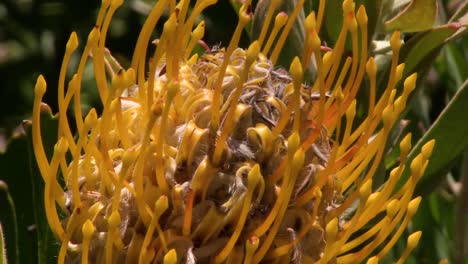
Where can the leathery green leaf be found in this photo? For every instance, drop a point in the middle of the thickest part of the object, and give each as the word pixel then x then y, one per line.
pixel 419 15
pixel 26 188
pixel 3 257
pixel 421 48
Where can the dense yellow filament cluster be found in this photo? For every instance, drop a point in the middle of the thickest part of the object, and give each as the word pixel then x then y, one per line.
pixel 222 158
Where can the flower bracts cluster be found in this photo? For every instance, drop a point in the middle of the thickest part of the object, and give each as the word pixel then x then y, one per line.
pixel 223 157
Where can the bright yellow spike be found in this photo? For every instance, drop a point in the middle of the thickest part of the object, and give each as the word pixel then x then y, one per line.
pixel 251 246
pixel 331 235
pixel 280 20
pixel 266 22
pixel 88 230
pixel 39 151
pixel 297 74
pixel 286 30
pixel 373 260
pixel 427 149
pixel 197 35
pixel 160 207
pixel 413 241
pixel 170 257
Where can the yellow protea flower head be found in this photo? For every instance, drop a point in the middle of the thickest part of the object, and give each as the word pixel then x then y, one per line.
pixel 224 157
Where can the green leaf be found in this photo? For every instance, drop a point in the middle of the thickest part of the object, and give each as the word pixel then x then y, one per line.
pixel 332 22
pixel 12 222
pixel 434 207
pixel 3 256
pixel 419 15
pixel 456 59
pixel 421 50
pixel 20 172
pixel 449 131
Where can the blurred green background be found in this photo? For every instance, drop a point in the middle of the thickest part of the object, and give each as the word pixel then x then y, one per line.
pixel 33 34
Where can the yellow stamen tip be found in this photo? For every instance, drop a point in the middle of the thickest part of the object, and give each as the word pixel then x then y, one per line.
pixel 410 83
pixel 114 105
pixel 310 22
pixel 413 205
pixel 371 67
pixel 296 70
pixel 395 41
pixel 251 246
pixel 293 143
pixel 281 18
pixel 387 116
pixel 371 199
pixel 41 87
pixel 394 172
pixel 427 149
pixel 253 242
pixel 416 166
pixel 253 51
pixel 332 228
pixel 91 119
pixel 349 17
pixel 373 260
pixel 365 189
pixel 193 59
pixel 72 43
pixel 244 16
pixel 399 104
pixel 199 30
pixel 119 79
pixel 405 145
pixel 172 89
pixel 362 16
pixel 413 239
pixel 392 208
pixel 114 219
pixel 351 112
pixel 88 229
pixel 161 205
pixel 170 25
pixel 348 6
pixel 298 160
pixel 93 36
pixel 61 147
pixel 130 77
pixel 339 96
pixel 170 257
pixel 399 71
pixel 315 41
pixel 129 156
pixel 254 174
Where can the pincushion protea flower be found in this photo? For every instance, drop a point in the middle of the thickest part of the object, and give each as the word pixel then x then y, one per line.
pixel 223 158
